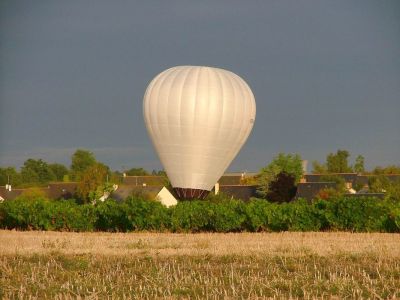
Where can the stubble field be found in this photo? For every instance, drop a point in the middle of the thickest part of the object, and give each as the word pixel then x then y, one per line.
pixel 58 265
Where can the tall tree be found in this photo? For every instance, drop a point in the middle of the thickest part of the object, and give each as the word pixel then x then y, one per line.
pixel 319 168
pixel 338 162
pixel 59 171
pixel 282 188
pixel 80 161
pixel 288 163
pixel 36 171
pixel 359 164
pixel 11 176
pixel 93 179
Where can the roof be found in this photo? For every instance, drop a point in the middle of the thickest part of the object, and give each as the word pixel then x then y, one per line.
pixel 348 177
pixel 310 190
pixel 240 192
pixel 147 180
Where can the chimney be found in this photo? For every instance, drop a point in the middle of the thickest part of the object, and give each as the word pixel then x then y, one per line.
pixel 216 188
pixel 304 164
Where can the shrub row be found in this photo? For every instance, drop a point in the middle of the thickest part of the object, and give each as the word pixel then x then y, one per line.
pixel 138 214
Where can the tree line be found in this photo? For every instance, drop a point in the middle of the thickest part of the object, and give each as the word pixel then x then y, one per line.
pixel 37 172
pixel 93 177
pixel 276 181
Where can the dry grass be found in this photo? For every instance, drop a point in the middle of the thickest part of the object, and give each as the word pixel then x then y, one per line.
pixel 157 265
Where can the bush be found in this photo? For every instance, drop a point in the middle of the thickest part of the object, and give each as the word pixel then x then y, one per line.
pixel 69 216
pixel 191 216
pixel 143 214
pixel 257 215
pixel 45 214
pixel 228 216
pixel 216 215
pixel 358 214
pixel 26 215
pixel 111 216
pixel 305 217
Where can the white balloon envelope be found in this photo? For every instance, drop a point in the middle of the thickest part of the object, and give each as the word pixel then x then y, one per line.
pixel 198 118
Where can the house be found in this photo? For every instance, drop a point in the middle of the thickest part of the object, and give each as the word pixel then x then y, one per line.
pixel 310 190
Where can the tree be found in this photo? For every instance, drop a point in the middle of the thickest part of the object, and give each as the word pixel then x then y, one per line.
pixel 92 183
pixel 381 184
pixel 29 176
pixel 282 188
pixel 136 172
pixel 378 183
pixel 392 169
pixel 319 168
pixel 159 173
pixel 81 160
pixel 10 175
pixel 288 163
pixel 59 171
pixel 338 163
pixel 340 182
pixel 36 172
pixel 359 164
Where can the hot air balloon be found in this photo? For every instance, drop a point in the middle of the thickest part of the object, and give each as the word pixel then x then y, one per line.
pixel 198 118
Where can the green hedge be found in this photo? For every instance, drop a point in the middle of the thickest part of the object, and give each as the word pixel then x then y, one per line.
pixel 138 214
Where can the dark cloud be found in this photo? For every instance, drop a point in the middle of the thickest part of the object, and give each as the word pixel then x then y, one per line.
pixel 326 75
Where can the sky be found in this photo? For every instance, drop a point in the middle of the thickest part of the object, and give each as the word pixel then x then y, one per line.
pixel 325 75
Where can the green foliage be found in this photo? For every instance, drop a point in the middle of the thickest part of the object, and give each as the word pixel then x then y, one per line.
pixel 395 216
pixel 393 192
pixel 359 214
pixel 59 171
pixel 378 184
pixel 136 172
pixel 196 216
pixel 138 214
pixel 143 214
pixel 159 173
pixel 69 216
pixel 93 183
pixel 44 214
pixel 36 172
pixel 80 161
pixel 282 189
pixel 111 216
pixel 295 216
pixel 33 193
pixel 10 175
pixel 338 162
pixel 305 217
pixel 24 214
pixel 382 184
pixel 227 216
pixel 340 182
pixel 288 163
pixel 319 168
pixel 359 164
pixel 257 215
pixel 392 169
pixel 191 216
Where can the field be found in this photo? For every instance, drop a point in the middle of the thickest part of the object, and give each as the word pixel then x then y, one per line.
pixel 206 265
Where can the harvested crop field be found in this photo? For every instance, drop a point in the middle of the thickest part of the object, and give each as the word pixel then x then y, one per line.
pixel 164 265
